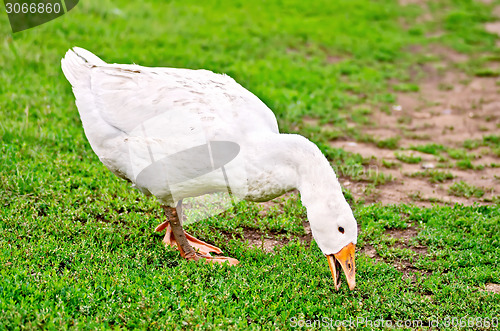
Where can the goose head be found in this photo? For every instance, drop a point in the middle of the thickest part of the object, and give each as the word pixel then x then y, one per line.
pixel 335 230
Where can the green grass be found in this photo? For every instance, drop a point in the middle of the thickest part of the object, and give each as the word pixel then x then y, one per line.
pixel 77 247
pixel 431 148
pixel 458 153
pixel 408 158
pixel 463 189
pixel 70 269
pixel 390 164
pixel 390 143
pixel 405 87
pixel 492 141
pixel 464 164
pixel 434 176
pixel 487 72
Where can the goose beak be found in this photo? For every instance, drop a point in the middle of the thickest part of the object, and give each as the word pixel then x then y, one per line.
pixel 343 259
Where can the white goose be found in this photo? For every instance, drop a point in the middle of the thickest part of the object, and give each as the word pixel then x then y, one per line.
pixel 179 133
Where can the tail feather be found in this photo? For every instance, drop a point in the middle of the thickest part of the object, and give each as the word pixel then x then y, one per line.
pixel 76 64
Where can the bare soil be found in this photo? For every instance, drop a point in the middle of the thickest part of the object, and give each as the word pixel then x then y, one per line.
pixel 449 108
pixel 491 287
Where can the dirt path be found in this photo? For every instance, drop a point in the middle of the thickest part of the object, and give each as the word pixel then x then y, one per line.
pixel 449 109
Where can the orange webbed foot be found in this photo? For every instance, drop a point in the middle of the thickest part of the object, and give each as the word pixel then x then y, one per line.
pixel 202 249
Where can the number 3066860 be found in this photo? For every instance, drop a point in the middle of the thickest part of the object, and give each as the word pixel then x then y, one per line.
pixel 33 8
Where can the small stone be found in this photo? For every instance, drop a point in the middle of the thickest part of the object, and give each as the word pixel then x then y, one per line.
pixel 428 166
pixel 397 108
pixel 446 111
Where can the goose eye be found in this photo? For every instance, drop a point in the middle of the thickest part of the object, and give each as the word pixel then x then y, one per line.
pixel 341 229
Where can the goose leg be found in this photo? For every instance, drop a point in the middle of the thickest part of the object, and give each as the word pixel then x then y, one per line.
pixel 197 244
pixel 189 247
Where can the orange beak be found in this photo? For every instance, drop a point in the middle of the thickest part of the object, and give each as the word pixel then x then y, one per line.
pixel 345 260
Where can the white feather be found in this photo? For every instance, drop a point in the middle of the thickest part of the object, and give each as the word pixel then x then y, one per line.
pixel 134 116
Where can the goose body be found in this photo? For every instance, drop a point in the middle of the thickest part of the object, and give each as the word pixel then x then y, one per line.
pixel 138 118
